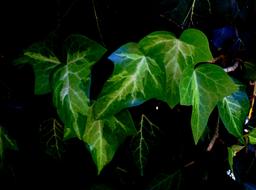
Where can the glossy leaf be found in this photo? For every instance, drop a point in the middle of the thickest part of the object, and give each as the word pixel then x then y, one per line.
pixel 44 62
pixel 71 83
pixel 233 110
pixel 176 54
pixel 104 136
pixel 202 88
pixel 252 136
pixel 136 78
pixel 5 143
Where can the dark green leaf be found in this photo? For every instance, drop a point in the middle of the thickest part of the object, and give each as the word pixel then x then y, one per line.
pixel 167 181
pixel 232 151
pixel 104 136
pixel 141 143
pixel 44 62
pixel 5 143
pixel 136 78
pixel 250 71
pixel 176 54
pixel 202 88
pixel 252 136
pixel 51 137
pixel 233 110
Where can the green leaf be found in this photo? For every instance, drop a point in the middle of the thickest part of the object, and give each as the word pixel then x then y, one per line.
pixel 232 151
pixel 82 50
pixel 44 62
pixel 233 110
pixel 104 136
pixel 249 70
pixel 252 136
pixel 71 83
pixel 136 78
pixel 202 88
pixel 51 137
pixel 5 143
pixel 167 181
pixel 141 143
pixel 176 54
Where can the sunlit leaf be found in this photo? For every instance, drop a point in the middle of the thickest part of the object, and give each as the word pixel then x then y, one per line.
pixel 252 136
pixel 141 143
pixel 5 143
pixel 202 88
pixel 233 110
pixel 167 181
pixel 176 54
pixel 104 136
pixel 71 83
pixel 136 78
pixel 44 62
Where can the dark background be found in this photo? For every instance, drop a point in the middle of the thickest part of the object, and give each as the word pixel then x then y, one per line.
pixel 21 112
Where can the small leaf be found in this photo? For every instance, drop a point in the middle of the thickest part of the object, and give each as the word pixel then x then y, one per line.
pixel 141 143
pixel 252 136
pixel 176 54
pixel 250 71
pixel 136 78
pixel 104 136
pixel 44 62
pixel 167 181
pixel 51 137
pixel 233 110
pixel 232 151
pixel 71 83
pixel 5 143
pixel 202 88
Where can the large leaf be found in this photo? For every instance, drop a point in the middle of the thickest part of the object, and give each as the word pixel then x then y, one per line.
pixel 44 62
pixel 104 136
pixel 72 83
pixel 202 88
pixel 176 54
pixel 233 110
pixel 136 78
pixel 5 143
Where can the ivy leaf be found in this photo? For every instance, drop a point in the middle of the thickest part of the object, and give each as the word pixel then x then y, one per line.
pixel 249 71
pixel 167 181
pixel 136 78
pixel 202 88
pixel 51 137
pixel 72 83
pixel 252 136
pixel 141 143
pixel 44 62
pixel 104 136
pixel 5 143
pixel 176 54
pixel 233 110
pixel 232 151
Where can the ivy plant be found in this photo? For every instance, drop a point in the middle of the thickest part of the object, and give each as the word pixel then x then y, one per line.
pixel 175 70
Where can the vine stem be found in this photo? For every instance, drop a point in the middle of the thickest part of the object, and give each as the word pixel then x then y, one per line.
pixel 97 22
pixel 214 138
